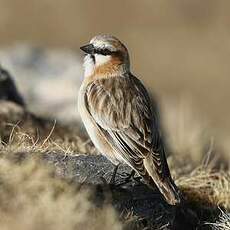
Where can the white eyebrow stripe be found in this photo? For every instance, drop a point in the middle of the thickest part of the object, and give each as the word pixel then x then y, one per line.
pixel 104 45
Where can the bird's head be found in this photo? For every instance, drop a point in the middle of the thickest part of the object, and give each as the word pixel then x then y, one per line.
pixel 105 54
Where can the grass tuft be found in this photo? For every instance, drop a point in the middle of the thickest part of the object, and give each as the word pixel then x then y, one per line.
pixel 223 223
pixel 31 197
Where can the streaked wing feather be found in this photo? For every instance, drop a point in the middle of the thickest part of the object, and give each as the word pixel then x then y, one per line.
pixel 122 110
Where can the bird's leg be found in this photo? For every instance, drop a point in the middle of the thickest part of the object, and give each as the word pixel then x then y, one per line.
pixel 112 180
pixel 130 176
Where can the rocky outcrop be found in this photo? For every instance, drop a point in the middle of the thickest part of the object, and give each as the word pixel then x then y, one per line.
pixel 130 198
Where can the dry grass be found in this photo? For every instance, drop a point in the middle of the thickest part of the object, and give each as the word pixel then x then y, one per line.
pixel 21 141
pixel 23 131
pixel 223 223
pixel 206 186
pixel 32 198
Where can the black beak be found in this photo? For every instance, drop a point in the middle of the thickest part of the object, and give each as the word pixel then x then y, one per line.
pixel 89 49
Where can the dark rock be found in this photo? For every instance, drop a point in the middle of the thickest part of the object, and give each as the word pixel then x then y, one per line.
pixel 8 90
pixel 134 197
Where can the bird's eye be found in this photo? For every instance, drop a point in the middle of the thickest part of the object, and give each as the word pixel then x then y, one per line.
pixel 103 51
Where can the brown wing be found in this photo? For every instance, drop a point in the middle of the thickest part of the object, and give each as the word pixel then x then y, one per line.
pixel 122 109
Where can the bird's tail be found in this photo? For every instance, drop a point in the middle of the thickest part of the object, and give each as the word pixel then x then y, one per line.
pixel 166 184
pixel 170 191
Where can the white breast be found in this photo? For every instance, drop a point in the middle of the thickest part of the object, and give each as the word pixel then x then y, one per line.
pixel 93 131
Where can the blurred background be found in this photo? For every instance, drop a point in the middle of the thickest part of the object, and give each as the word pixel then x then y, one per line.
pixel 180 49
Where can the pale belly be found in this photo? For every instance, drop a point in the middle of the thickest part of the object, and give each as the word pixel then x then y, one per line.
pixel 94 132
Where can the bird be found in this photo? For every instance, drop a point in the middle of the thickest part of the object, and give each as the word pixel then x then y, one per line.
pixel 118 115
pixel 8 89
